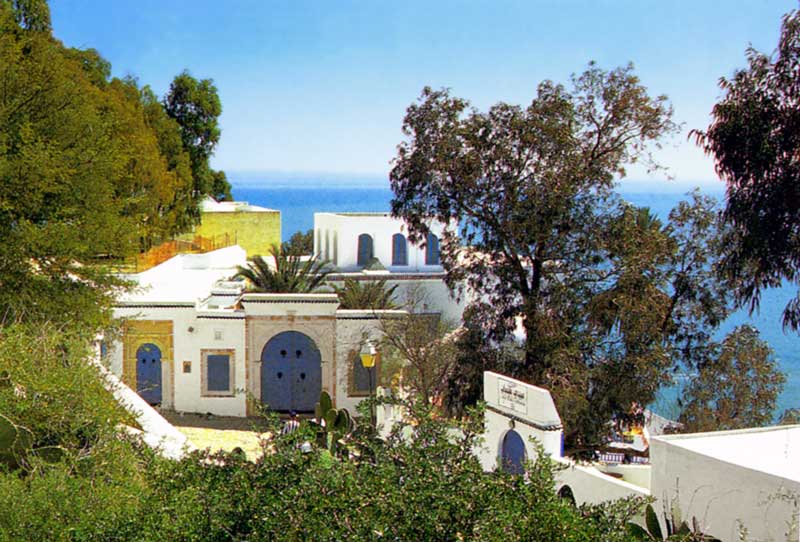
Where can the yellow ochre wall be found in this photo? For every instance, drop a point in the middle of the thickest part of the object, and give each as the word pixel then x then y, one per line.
pixel 253 231
pixel 139 332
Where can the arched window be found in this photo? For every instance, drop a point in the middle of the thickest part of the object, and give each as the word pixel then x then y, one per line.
pixel 399 250
pixel 432 250
pixel 365 251
pixel 512 453
pixel 566 493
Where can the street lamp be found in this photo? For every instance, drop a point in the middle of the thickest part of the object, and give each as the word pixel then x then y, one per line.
pixel 368 355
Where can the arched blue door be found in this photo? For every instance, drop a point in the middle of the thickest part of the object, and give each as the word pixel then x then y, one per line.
pixel 148 373
pixel 513 453
pixel 291 372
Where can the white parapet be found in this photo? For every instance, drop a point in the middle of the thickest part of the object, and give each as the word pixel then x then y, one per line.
pixel 157 432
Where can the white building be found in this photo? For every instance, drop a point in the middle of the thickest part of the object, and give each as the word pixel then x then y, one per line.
pixel 351 240
pixel 375 246
pixel 727 479
pixel 193 341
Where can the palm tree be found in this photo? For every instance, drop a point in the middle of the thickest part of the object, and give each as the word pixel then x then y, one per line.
pixel 361 294
pixel 291 273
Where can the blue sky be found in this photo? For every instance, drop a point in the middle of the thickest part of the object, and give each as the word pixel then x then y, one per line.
pixel 321 87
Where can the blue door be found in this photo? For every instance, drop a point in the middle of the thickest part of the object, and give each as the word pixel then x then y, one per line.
pixel 291 372
pixel 513 453
pixel 148 373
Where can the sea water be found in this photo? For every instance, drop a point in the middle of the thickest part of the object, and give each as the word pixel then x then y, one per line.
pixel 298 201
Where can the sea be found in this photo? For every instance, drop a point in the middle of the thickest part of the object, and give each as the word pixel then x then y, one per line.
pixel 299 199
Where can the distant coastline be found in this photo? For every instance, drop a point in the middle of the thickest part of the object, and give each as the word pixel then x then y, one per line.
pixel 373 181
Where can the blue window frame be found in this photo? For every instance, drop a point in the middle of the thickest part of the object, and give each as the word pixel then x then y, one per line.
pixel 360 377
pixel 432 250
pixel 218 372
pixel 399 249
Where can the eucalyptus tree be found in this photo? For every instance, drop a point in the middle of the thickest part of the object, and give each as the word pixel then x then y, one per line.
pixel 755 141
pixel 531 190
pixel 196 107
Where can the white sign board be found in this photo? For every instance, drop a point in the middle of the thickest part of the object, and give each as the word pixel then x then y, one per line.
pixel 512 394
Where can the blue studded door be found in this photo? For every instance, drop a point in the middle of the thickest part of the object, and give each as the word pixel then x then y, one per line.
pixel 291 372
pixel 148 373
pixel 513 453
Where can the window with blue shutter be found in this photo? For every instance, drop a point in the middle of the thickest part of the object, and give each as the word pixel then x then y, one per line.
pixel 217 372
pixel 365 251
pixel 432 250
pixel 399 250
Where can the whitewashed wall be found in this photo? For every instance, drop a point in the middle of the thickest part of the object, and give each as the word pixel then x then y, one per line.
pixel 352 326
pixel 211 332
pixel 336 239
pixel 528 408
pixel 723 495
pixel 432 293
pixel 589 485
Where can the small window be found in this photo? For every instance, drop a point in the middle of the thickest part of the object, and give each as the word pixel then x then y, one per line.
pixel 218 335
pixel 399 250
pixel 432 250
pixel 217 367
pixel 360 376
pixel 365 251
pixel 187 367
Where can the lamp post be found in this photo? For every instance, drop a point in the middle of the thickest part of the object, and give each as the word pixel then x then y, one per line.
pixel 368 355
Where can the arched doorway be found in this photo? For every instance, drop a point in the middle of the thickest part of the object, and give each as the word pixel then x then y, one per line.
pixel 566 493
pixel 512 453
pixel 291 372
pixel 148 373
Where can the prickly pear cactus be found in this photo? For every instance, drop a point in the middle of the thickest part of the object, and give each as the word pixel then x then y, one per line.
pixel 334 424
pixel 16 447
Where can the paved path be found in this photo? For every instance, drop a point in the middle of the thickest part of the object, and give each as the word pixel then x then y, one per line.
pixel 220 433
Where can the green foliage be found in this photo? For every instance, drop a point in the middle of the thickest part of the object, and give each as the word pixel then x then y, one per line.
pixel 52 390
pixel 86 175
pixel 220 188
pixel 474 354
pixel 753 139
pixel 611 299
pixel 366 294
pixel 16 447
pixel 301 243
pixel 196 107
pixel 81 479
pixel 424 487
pixel 31 15
pixel 291 273
pixel 735 388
